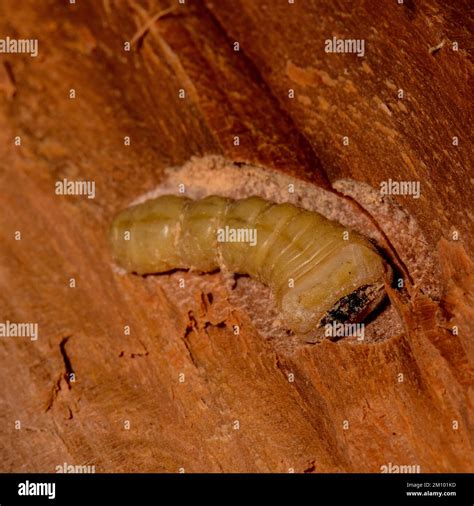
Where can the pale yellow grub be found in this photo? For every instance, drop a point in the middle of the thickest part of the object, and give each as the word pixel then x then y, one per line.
pixel 316 273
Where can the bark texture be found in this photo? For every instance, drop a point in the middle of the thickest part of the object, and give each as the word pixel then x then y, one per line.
pixel 182 390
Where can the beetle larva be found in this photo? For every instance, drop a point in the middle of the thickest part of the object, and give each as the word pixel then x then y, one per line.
pixel 316 273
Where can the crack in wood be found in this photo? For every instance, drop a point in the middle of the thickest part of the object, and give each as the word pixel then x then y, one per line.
pixel 253 72
pixel 311 466
pixel 66 375
pixel 190 327
pixel 67 361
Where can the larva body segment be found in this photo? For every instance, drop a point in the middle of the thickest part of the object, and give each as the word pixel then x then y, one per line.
pixel 316 276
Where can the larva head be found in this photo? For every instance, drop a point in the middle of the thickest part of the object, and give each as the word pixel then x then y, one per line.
pixel 346 287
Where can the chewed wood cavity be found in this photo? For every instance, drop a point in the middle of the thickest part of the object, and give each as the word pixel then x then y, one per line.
pixel 318 271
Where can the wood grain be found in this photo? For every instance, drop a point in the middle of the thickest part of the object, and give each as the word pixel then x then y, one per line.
pixel 346 409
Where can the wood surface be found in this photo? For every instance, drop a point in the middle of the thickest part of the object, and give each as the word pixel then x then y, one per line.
pixel 168 396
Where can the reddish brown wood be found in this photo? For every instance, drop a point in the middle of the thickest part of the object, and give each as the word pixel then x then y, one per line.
pixel 283 425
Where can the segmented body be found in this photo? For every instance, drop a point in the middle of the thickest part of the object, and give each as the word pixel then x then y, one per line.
pixel 315 271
